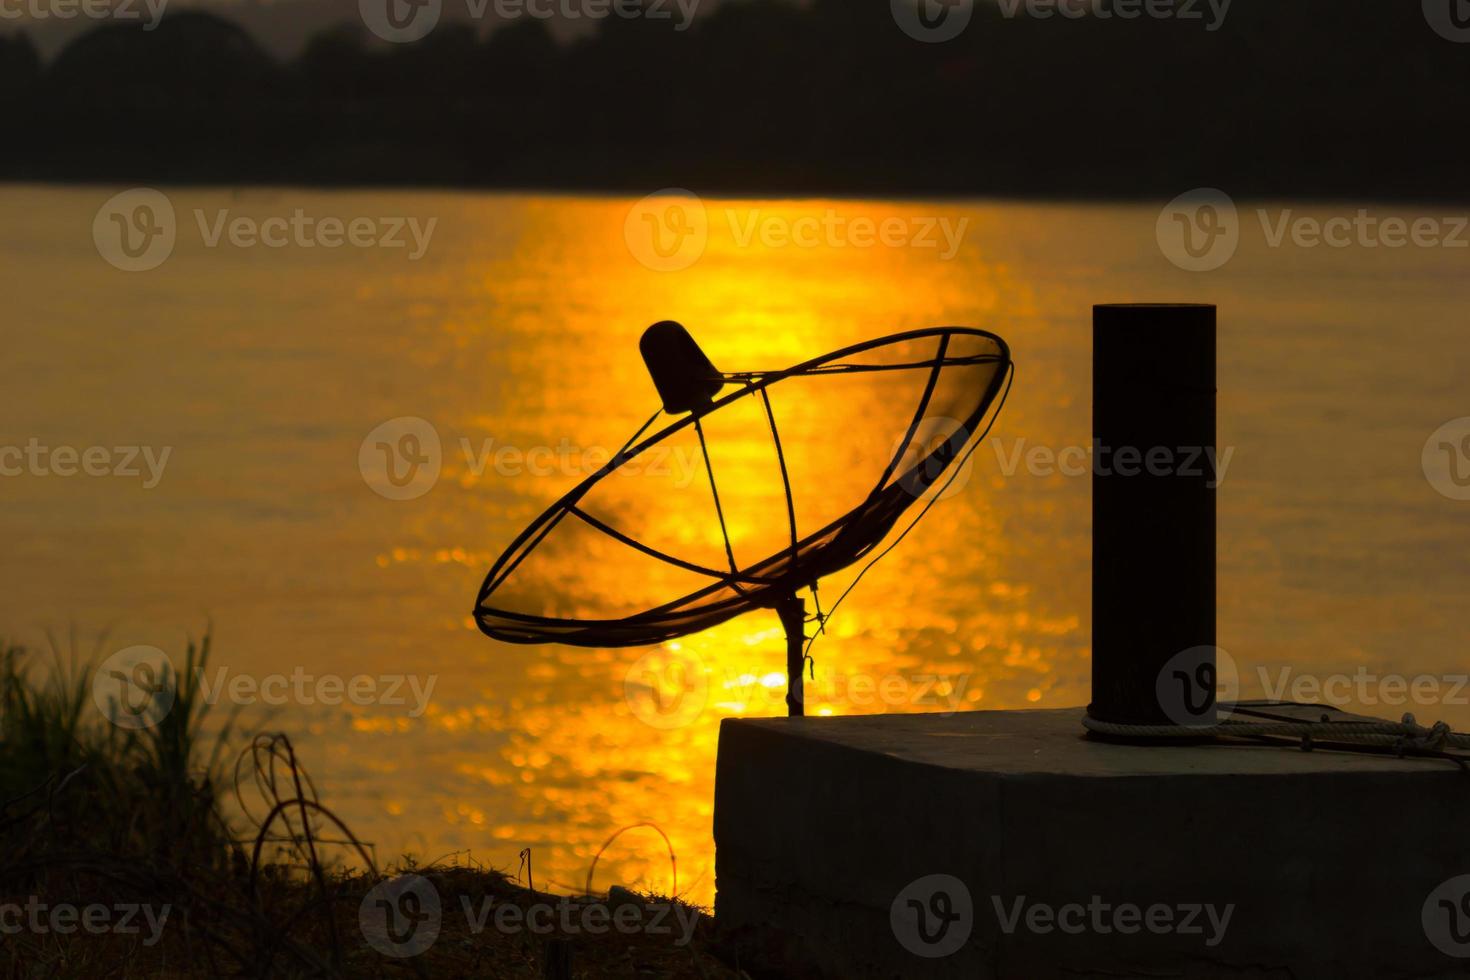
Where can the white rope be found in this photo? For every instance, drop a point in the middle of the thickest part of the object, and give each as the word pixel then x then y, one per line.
pixel 1406 736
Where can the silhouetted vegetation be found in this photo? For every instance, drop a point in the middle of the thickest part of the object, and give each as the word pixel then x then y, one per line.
pixel 121 856
pixel 1307 97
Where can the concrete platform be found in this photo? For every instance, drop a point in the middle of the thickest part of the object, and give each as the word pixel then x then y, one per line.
pixel 1005 844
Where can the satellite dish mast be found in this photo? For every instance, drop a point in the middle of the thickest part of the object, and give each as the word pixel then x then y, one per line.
pixel 958 374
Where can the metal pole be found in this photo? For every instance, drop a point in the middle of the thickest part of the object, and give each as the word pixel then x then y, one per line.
pixel 792 610
pixel 1153 513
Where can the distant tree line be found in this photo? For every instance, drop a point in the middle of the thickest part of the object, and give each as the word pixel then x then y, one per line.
pixel 1302 97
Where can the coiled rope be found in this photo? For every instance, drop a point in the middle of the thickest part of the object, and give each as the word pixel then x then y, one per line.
pixel 1405 737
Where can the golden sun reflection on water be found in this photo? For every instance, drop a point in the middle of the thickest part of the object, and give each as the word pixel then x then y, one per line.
pixel 906 642
pixel 516 338
pixel 517 332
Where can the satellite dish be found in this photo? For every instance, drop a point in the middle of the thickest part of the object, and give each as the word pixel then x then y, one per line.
pixel 562 579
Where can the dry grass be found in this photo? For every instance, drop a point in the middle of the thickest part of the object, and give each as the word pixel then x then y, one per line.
pixel 128 827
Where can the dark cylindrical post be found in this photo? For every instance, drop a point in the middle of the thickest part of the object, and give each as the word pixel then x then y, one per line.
pixel 792 610
pixel 1153 514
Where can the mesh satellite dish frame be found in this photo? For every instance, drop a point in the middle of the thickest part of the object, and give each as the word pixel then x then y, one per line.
pixel 774 582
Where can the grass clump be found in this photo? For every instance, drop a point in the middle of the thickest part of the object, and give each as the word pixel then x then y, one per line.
pixel 119 857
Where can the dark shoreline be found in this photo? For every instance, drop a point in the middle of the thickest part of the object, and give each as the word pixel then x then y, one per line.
pixel 770 100
pixel 720 191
